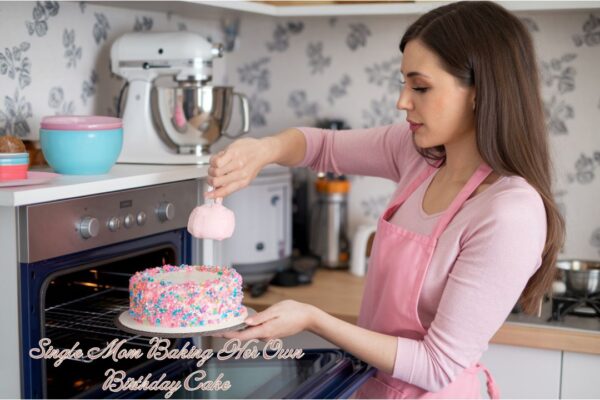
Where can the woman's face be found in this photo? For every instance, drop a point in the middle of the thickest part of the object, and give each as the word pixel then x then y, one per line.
pixel 432 97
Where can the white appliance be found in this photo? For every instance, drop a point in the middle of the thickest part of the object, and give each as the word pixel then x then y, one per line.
pixel 360 247
pixel 172 115
pixel 261 244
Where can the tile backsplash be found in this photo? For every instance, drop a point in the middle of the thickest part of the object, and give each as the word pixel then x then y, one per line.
pixel 54 59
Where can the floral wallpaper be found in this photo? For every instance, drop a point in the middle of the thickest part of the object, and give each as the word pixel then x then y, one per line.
pixel 54 59
pixel 296 71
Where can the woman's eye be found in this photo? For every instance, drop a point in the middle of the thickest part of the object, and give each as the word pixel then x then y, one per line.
pixel 420 89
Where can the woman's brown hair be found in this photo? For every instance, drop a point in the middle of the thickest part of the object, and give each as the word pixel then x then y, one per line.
pixel 485 46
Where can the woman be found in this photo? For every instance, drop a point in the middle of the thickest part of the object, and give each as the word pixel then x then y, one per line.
pixel 472 227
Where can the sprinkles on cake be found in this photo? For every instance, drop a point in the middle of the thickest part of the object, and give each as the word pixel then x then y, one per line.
pixel 157 301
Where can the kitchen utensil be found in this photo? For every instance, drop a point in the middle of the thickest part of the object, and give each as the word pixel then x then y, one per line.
pixel 582 276
pixel 33 178
pixel 361 249
pixel 13 166
pixel 172 114
pixel 81 145
pixel 126 322
pixel 190 116
pixel 328 222
pixel 212 220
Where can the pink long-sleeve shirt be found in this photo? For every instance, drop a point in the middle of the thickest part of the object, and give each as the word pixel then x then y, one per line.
pixel 480 266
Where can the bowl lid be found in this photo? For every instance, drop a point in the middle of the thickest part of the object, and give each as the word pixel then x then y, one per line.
pixel 81 122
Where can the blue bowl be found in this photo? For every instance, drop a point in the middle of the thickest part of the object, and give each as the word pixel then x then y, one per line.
pixel 81 152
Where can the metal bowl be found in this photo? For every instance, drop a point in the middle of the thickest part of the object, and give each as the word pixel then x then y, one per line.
pixel 582 276
pixel 190 116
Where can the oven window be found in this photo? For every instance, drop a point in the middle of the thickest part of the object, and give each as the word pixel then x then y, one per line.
pixel 80 306
pixel 255 379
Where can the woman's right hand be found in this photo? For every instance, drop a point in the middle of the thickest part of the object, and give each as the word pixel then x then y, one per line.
pixel 235 167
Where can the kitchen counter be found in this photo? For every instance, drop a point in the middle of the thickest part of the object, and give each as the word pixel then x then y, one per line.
pixel 339 293
pixel 120 177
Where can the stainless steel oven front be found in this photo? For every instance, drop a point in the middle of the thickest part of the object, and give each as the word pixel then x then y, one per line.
pixel 76 257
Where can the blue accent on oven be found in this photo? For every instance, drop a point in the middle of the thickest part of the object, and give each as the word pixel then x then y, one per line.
pixel 33 278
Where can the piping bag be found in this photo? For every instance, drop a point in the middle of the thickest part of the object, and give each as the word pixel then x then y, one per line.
pixel 212 220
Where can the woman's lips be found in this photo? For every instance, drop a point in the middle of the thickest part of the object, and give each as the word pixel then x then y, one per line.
pixel 414 127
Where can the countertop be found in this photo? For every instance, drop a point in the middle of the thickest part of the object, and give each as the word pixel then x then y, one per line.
pixel 339 293
pixel 120 177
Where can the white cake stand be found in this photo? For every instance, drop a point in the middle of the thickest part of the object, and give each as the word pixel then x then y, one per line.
pixel 125 322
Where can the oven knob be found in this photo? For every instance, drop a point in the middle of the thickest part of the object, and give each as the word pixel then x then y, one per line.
pixel 141 218
pixel 114 224
pixel 165 211
pixel 89 227
pixel 129 221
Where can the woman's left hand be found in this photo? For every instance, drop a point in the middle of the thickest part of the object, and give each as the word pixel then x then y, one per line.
pixel 282 319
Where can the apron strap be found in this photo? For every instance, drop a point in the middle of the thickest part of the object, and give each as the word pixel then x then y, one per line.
pixel 492 387
pixel 409 190
pixel 479 176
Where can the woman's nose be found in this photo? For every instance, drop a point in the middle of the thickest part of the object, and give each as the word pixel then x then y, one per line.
pixel 404 102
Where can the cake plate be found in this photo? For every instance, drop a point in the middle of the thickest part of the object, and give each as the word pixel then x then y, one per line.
pixel 125 322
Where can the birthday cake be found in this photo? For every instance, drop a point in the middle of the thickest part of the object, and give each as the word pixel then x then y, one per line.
pixel 187 296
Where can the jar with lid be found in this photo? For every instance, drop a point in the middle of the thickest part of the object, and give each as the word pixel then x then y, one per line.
pixel 328 237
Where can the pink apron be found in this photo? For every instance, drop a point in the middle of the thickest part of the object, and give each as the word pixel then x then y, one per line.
pixel 397 269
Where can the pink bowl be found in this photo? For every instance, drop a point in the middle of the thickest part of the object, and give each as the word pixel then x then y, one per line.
pixel 80 123
pixel 13 172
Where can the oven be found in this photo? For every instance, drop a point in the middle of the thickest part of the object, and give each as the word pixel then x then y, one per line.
pixel 76 257
pixel 75 260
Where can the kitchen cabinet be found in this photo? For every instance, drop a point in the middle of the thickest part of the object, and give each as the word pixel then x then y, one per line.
pixel 221 9
pixel 580 374
pixel 523 372
pixel 331 8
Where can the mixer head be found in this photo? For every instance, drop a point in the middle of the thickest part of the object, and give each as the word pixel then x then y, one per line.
pixel 186 55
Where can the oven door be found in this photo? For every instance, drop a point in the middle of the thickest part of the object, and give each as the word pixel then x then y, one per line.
pixel 75 298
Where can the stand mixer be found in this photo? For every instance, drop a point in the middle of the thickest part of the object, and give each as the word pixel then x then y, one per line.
pixel 172 115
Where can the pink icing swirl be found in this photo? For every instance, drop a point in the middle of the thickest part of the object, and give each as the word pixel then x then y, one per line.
pixel 211 221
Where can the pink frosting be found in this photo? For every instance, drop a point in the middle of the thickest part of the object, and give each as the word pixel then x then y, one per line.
pixel 179 117
pixel 159 302
pixel 211 221
pixel 81 123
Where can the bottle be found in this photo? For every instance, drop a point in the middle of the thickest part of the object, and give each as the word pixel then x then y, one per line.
pixel 328 239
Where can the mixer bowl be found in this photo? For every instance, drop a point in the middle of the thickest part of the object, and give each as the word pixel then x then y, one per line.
pixel 582 276
pixel 190 116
